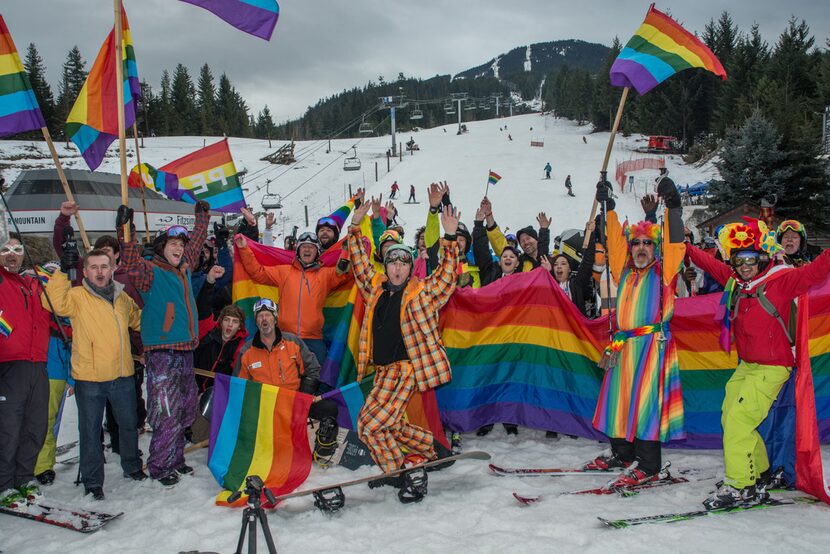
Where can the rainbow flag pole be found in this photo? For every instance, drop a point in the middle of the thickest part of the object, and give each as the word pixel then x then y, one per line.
pixel 492 179
pixel 122 132
pixel 141 172
pixel 659 48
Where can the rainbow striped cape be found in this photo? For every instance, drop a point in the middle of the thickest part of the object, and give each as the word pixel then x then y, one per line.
pixel 19 110
pixel 258 429
pixel 659 49
pixel 93 122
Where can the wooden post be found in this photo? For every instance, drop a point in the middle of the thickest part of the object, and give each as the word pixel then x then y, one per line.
pixel 306 215
pixel 141 174
pixel 376 172
pixel 607 156
pixel 65 183
pixel 119 88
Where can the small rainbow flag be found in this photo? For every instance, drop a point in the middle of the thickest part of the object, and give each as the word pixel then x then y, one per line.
pixel 93 122
pixel 493 178
pixel 19 110
pixel 5 326
pixel 258 429
pixel 207 174
pixel 255 17
pixel 659 49
pixel 159 181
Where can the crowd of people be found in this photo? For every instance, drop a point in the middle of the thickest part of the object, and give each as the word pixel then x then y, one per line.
pixel 127 314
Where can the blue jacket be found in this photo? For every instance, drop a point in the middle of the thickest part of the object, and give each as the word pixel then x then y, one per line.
pixel 169 317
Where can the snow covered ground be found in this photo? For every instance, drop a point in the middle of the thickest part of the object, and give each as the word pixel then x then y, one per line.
pixel 467 510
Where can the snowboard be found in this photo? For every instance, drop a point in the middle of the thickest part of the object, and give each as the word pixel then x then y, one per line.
pixel 76 519
pixel 473 455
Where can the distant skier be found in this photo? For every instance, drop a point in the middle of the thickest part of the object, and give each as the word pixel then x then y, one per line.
pixel 569 186
pixel 584 140
pixel 395 189
pixel 548 169
pixel 411 195
pixel 510 137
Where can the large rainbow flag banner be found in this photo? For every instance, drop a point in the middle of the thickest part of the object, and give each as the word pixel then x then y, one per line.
pixel 255 17
pixel 207 174
pixel 659 49
pixel 148 176
pixel 93 122
pixel 258 429
pixel 19 110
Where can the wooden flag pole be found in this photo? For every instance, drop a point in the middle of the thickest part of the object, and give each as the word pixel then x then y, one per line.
pixel 487 188
pixel 65 183
pixel 119 88
pixel 604 169
pixel 141 174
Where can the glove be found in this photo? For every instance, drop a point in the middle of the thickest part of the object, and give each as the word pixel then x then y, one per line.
pixel 123 216
pixel 308 385
pixel 222 233
pixel 201 206
pixel 668 192
pixel 70 256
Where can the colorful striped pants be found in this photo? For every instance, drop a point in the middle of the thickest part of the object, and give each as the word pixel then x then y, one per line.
pixel 381 422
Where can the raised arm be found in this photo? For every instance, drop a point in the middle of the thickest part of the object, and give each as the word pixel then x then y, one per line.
pixel 481 249
pixel 585 271
pixel 798 281
pixel 139 270
pixel 260 274
pixel 718 270
pixel 198 235
pixel 441 283
pixel 58 289
pixel 364 271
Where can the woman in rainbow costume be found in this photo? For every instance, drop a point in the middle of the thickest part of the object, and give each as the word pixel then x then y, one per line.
pixel 640 402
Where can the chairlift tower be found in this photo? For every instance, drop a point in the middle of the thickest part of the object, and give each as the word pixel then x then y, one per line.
pixel 497 98
pixel 392 103
pixel 459 97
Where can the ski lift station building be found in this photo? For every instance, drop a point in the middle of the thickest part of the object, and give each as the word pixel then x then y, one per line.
pixel 36 195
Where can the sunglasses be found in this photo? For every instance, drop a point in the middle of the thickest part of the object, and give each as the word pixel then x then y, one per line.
pixel 644 242
pixel 16 249
pixel 400 256
pixel 265 304
pixel 745 258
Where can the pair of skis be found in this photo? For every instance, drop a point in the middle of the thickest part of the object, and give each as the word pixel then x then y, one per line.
pixel 53 513
pixel 633 491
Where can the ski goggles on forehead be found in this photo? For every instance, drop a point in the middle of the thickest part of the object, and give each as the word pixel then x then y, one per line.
pixel 328 221
pixel 398 255
pixel 16 249
pixel 791 225
pixel 745 258
pixel 176 231
pixel 265 304
pixel 307 236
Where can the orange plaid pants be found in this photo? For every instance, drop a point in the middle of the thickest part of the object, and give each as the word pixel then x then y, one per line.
pixel 381 423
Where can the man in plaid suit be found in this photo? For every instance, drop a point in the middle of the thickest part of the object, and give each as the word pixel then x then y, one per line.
pixel 400 338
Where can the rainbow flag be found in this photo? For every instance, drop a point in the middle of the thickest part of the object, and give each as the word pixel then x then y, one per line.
pixel 493 178
pixel 255 17
pixel 154 179
pixel 93 122
pixel 19 110
pixel 5 326
pixel 207 174
pixel 258 429
pixel 659 49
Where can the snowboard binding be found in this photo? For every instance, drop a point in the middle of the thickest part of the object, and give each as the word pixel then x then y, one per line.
pixel 413 486
pixel 330 500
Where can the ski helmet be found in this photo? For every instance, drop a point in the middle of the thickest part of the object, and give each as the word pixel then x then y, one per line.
pixel 308 238
pixel 792 225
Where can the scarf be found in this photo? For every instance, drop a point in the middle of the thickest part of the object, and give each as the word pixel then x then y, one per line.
pixel 107 292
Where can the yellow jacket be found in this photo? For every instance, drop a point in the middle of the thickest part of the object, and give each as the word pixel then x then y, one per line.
pixel 100 330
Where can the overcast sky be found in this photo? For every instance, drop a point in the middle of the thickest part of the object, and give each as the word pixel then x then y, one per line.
pixel 321 47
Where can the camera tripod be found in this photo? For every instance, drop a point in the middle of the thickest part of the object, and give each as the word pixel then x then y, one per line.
pixel 254 488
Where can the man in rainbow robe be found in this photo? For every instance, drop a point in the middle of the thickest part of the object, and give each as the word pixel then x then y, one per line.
pixel 640 402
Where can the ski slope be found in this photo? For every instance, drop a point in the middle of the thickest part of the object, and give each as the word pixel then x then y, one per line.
pixel 466 510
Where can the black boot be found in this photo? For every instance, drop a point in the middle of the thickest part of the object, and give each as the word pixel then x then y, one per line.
pixel 325 441
pixel 484 430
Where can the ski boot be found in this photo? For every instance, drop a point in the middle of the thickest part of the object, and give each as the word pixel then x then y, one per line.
pixel 46 478
pixel 633 476
pixel 11 499
pixel 510 428
pixel 485 430
pixel 413 487
pixel 455 442
pixel 728 496
pixel 325 442
pixel 606 460
pixel 31 491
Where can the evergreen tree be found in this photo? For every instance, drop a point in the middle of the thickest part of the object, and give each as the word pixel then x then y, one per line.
pixel 224 105
pixel 738 96
pixel 43 92
pixel 752 165
pixel 206 103
pixel 72 81
pixel 183 120
pixel 163 124
pixel 265 124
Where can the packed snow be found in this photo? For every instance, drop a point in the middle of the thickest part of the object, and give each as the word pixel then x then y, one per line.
pixel 467 510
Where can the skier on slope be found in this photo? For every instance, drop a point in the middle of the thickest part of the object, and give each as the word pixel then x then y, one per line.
pixel 640 402
pixel 548 169
pixel 169 332
pixel 758 296
pixel 399 336
pixel 569 186
pixel 411 195
pixel 395 189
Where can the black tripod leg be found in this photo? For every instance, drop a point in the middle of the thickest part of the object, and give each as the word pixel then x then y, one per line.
pixel 242 532
pixel 251 531
pixel 269 540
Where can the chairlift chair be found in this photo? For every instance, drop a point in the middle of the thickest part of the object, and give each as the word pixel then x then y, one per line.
pixel 365 128
pixel 416 114
pixel 449 109
pixel 470 106
pixel 351 163
pixel 272 202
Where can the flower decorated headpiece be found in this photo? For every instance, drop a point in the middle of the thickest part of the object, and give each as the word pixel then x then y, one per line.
pixel 645 229
pixel 751 235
